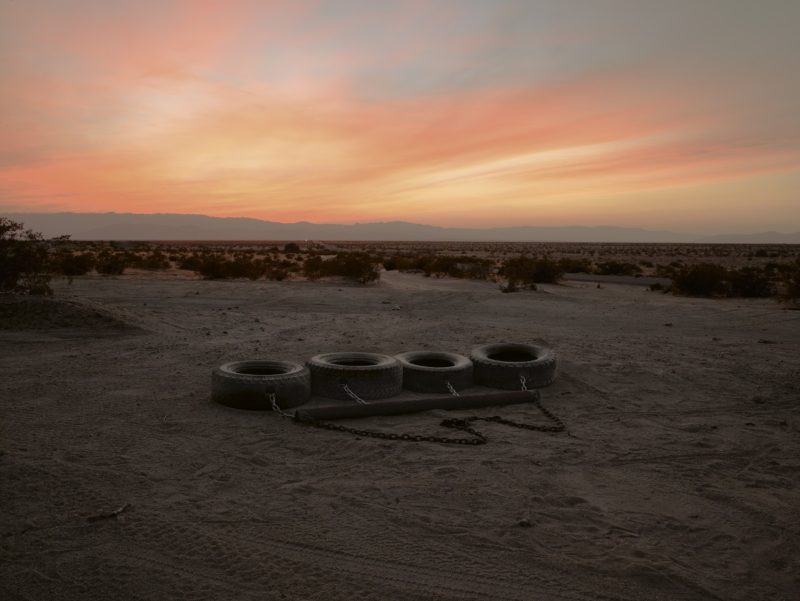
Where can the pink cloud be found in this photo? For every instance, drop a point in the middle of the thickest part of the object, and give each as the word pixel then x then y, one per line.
pixel 132 112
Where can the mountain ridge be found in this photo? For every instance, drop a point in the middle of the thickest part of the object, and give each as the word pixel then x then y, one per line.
pixel 180 226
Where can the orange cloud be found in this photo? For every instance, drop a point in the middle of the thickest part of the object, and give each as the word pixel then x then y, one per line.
pixel 174 114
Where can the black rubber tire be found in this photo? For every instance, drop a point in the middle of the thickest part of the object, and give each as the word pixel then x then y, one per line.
pixel 368 375
pixel 430 371
pixel 246 384
pixel 502 365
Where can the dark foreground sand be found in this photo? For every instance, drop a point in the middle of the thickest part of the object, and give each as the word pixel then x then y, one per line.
pixel 681 479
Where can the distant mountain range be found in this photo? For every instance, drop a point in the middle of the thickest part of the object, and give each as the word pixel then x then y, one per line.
pixel 166 226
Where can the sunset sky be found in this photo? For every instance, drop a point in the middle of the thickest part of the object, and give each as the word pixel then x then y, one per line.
pixel 667 114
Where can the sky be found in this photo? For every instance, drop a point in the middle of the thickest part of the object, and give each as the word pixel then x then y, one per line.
pixel 679 114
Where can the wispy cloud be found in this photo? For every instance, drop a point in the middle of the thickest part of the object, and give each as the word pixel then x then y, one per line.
pixel 341 111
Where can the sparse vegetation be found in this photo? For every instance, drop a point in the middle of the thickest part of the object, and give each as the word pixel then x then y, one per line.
pixel 708 279
pixel 355 266
pixel 697 270
pixel 70 264
pixel 791 282
pixel 529 271
pixel 617 268
pixel 24 260
pixel 110 263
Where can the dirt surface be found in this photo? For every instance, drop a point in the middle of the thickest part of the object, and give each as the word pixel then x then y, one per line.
pixel 120 479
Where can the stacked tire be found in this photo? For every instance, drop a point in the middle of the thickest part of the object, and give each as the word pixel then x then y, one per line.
pixel 512 366
pixel 252 384
pixel 437 372
pixel 363 377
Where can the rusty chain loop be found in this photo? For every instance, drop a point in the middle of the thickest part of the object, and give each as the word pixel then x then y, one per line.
pixel 464 425
pixel 478 440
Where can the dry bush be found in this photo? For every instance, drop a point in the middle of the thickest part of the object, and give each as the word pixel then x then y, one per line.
pixel 617 268
pixel 70 263
pixel 111 263
pixel 24 260
pixel 356 266
pixel 530 271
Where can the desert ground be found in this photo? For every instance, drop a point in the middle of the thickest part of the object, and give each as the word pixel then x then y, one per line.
pixel 679 478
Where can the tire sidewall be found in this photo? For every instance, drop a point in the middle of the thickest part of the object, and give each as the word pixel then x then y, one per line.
pixel 232 388
pixel 423 378
pixel 506 375
pixel 382 378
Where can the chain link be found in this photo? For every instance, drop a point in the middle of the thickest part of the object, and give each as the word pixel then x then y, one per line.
pixel 273 400
pixel 464 425
pixel 452 390
pixel 353 395
pixel 523 382
pixel 478 440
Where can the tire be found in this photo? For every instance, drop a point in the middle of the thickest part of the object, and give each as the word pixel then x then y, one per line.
pixel 430 371
pixel 246 384
pixel 502 365
pixel 368 375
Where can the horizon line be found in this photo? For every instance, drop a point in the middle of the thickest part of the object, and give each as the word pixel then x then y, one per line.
pixel 400 221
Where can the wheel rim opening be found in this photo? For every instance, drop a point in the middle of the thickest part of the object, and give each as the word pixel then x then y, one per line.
pixel 260 371
pixel 432 362
pixel 353 362
pixel 512 356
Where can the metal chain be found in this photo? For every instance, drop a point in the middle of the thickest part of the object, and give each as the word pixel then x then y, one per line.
pixel 463 425
pixel 558 427
pixel 478 440
pixel 454 423
pixel 275 407
pixel 353 395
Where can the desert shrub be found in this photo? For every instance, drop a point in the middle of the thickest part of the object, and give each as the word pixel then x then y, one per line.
pixel 617 268
pixel 668 271
pixel 291 247
pixel 111 263
pixel 192 262
pixel 24 260
pixel 154 261
pixel 703 279
pixel 458 267
pixel 356 266
pixel 215 267
pixel 791 282
pixel 575 265
pixel 390 264
pixel 528 271
pixel 546 271
pixel 750 282
pixel 706 279
pixel 477 269
pixel 71 264
pixel 276 273
pixel 313 268
pixel 212 267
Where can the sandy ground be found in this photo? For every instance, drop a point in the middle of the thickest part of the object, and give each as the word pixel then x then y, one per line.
pixel 681 479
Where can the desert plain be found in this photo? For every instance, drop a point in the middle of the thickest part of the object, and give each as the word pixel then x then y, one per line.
pixel 678 479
